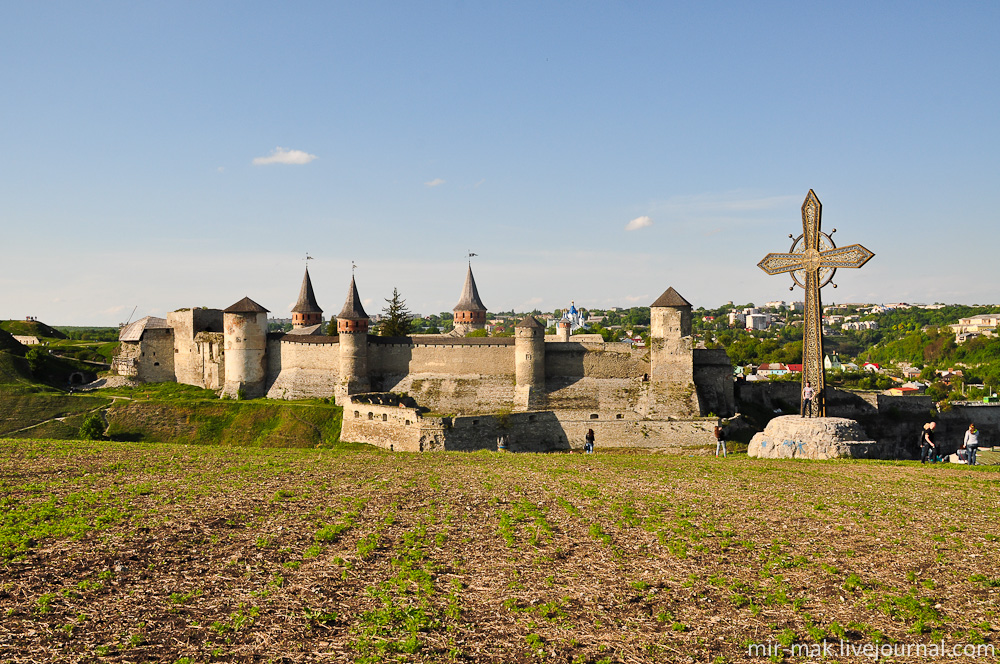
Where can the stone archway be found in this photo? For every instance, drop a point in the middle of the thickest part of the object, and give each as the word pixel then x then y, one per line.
pixel 77 378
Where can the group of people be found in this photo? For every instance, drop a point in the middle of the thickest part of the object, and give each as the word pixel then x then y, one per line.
pixel 930 449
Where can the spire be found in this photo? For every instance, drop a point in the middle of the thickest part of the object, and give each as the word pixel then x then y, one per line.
pixel 307 300
pixel 352 306
pixel 470 295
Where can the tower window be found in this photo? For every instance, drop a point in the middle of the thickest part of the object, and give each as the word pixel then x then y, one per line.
pixel 593 416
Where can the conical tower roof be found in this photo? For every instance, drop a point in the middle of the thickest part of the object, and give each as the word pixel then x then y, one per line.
pixel 352 306
pixel 307 300
pixel 470 295
pixel 245 306
pixel 530 321
pixel 670 298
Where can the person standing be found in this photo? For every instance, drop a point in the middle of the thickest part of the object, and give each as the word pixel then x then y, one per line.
pixel 588 446
pixel 808 394
pixel 720 440
pixel 502 442
pixel 972 443
pixel 928 450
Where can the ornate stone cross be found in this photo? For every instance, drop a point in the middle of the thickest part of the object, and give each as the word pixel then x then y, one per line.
pixel 812 261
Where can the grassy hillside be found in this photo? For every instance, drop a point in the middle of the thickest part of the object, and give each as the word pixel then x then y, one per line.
pixel 15 376
pixel 166 413
pixel 46 415
pixel 9 344
pixel 131 552
pixel 216 422
pixel 34 328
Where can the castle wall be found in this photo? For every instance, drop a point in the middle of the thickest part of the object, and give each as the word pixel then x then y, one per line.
pixel 198 347
pixel 302 369
pixel 126 360
pixel 156 356
pixel 448 375
pixel 389 427
pixel 605 398
pixel 449 393
pixel 594 360
pixel 713 379
pixel 405 429
pixel 459 357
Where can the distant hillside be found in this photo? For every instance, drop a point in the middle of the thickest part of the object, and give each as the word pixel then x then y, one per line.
pixel 15 377
pixel 34 328
pixel 10 344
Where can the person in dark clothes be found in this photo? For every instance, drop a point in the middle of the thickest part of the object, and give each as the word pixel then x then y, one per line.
pixel 928 448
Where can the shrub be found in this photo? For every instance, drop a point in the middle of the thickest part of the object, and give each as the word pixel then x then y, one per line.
pixel 92 428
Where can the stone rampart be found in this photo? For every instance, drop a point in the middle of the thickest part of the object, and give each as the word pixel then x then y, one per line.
pixel 387 421
pixel 596 360
pixel 156 356
pixel 459 357
pixel 302 367
pixel 391 426
pixel 454 394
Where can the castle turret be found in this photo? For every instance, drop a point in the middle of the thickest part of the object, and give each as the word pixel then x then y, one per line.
pixel 245 341
pixel 563 329
pixel 306 311
pixel 671 361
pixel 529 364
pixel 470 312
pixel 352 328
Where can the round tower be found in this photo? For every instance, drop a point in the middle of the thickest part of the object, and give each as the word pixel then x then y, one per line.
pixel 470 312
pixel 306 311
pixel 529 364
pixel 563 329
pixel 352 328
pixel 245 342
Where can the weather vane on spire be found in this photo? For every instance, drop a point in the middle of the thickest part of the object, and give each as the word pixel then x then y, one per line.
pixel 353 267
pixel 308 258
pixel 470 257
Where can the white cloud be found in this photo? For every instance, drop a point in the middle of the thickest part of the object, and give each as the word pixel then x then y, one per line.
pixel 284 156
pixel 221 169
pixel 436 182
pixel 636 298
pixel 638 222
pixel 478 184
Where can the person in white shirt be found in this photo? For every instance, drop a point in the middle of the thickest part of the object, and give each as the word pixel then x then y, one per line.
pixel 808 394
pixel 972 443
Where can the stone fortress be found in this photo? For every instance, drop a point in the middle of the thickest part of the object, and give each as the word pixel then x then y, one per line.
pixel 449 391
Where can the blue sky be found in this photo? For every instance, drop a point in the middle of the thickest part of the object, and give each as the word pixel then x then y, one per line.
pixel 167 155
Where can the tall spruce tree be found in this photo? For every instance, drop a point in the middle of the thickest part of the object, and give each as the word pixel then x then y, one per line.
pixel 397 317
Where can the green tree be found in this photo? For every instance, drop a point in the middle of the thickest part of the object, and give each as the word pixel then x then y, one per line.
pixel 397 317
pixel 331 328
pixel 92 428
pixel 36 358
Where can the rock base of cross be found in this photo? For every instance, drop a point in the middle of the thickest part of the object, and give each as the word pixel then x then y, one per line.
pixel 794 437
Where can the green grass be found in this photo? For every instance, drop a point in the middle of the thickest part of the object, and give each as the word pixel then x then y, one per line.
pixel 18 411
pixel 224 552
pixel 30 328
